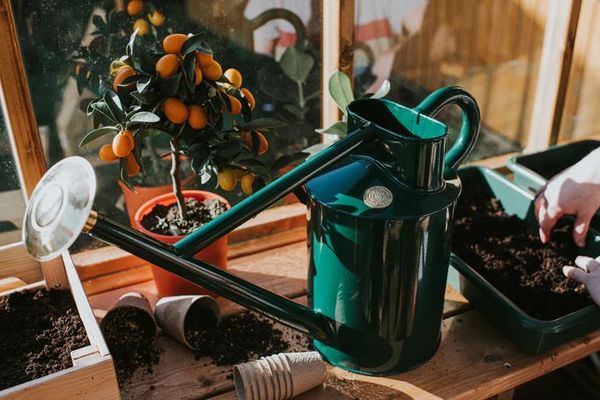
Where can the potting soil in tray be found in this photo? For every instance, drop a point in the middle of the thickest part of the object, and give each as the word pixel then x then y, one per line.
pixel 237 339
pixel 131 341
pixel 38 331
pixel 164 220
pixel 508 253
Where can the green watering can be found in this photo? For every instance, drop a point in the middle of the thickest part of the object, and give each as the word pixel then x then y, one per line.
pixel 380 204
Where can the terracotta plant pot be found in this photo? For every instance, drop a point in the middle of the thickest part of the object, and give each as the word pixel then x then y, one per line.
pixel 134 200
pixel 169 284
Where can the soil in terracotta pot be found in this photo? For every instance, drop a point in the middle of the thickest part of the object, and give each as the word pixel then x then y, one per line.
pixel 38 331
pixel 164 220
pixel 238 338
pixel 507 252
pixel 132 342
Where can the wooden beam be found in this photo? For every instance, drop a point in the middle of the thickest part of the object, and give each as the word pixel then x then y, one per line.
pixel 337 49
pixel 553 76
pixel 331 59
pixel 17 106
pixel 21 124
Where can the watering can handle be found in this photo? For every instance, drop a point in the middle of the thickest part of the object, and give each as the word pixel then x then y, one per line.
pixel 470 120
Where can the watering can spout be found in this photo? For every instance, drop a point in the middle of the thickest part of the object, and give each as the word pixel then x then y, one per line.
pixel 60 197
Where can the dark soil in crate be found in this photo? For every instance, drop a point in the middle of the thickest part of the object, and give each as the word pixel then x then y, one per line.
pixel 508 253
pixel 164 220
pixel 236 339
pixel 38 331
pixel 131 338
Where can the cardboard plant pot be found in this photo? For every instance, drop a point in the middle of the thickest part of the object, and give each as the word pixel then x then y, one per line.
pixel 168 284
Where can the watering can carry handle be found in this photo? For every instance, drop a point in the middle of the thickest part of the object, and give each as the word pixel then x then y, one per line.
pixel 469 129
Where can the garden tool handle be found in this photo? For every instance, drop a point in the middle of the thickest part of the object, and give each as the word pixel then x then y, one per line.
pixel 469 130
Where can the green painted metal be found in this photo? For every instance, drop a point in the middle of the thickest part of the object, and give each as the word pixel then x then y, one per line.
pixel 532 335
pixel 268 195
pixel 383 270
pixel 380 203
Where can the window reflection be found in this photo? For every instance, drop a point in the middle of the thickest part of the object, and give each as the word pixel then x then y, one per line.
pixel 491 47
pixel 68 48
pixel 11 196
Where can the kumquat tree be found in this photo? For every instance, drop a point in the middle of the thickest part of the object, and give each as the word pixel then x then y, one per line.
pixel 178 88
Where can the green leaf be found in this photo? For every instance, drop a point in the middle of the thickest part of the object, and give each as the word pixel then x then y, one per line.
pixel 339 129
pixel 294 109
pixel 137 153
pixel 169 87
pixel 124 177
pixel 286 160
pixel 97 133
pixel 248 163
pixel 230 149
pixel 383 90
pixel 100 108
pixel 142 84
pixel 149 98
pixel 296 64
pixel 200 157
pixel 194 43
pixel 131 44
pixel 188 68
pixel 263 123
pixel 114 105
pixel 84 105
pixel 340 89
pixel 147 63
pixel 99 22
pixel 145 117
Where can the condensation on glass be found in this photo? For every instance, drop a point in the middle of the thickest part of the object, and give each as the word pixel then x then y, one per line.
pixel 249 35
pixel 12 203
pixel 490 47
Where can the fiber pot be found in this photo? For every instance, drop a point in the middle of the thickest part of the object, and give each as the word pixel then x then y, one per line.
pixel 168 284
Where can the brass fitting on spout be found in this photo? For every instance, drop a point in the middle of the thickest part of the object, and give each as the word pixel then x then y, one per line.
pixel 91 221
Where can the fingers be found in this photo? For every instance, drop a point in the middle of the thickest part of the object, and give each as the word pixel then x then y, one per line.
pixel 587 264
pixel 547 217
pixel 575 273
pixel 580 228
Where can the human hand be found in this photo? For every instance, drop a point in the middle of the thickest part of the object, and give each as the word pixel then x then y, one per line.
pixel 574 191
pixel 588 273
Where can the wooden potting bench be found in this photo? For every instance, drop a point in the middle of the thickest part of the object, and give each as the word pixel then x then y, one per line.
pixel 474 360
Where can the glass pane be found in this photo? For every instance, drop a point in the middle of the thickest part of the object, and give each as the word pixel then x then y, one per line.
pixel 582 104
pixel 490 47
pixel 11 196
pixel 68 48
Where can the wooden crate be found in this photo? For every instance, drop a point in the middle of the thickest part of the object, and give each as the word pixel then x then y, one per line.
pixel 92 376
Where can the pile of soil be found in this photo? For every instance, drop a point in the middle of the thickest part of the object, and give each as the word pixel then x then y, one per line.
pixel 131 339
pixel 507 252
pixel 164 219
pixel 38 331
pixel 237 339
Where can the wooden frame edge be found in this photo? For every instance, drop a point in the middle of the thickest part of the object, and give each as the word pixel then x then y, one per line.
pixel 553 77
pixel 21 123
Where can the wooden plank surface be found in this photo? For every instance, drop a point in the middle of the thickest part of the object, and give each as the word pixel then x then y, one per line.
pixel 17 263
pixel 91 381
pixel 474 361
pixel 282 270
